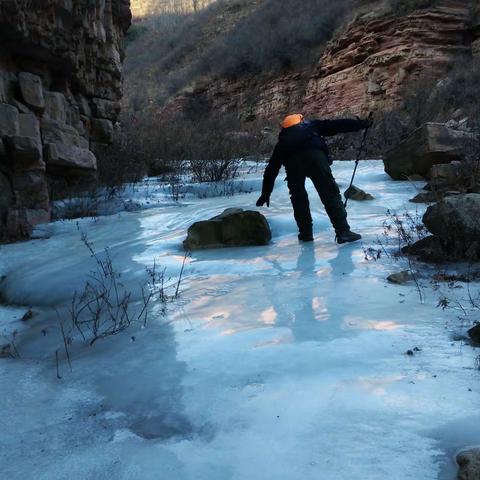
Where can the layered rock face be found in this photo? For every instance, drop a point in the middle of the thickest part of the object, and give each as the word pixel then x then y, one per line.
pixel 248 97
pixel 60 86
pixel 365 68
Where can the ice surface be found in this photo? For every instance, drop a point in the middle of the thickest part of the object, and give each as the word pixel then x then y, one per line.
pixel 282 362
pixel 156 192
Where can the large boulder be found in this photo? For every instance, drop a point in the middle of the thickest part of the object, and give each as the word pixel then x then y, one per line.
pixel 455 228
pixel 455 217
pixel 233 228
pixel 469 465
pixel 429 145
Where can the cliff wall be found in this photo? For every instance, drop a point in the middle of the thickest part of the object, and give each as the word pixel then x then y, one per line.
pixel 365 67
pixel 60 86
pixel 368 66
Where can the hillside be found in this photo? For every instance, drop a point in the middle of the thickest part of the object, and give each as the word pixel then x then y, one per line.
pixel 249 58
pixel 162 54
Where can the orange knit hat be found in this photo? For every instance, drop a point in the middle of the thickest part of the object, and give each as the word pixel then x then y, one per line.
pixel 292 120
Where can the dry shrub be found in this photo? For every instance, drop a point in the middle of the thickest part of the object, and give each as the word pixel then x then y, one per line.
pixel 120 163
pixel 271 40
pixel 210 147
pixel 214 170
pixel 117 165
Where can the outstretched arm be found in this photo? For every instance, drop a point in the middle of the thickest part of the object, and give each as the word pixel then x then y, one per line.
pixel 271 173
pixel 328 128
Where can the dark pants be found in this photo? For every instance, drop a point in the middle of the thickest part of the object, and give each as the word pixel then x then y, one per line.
pixel 314 164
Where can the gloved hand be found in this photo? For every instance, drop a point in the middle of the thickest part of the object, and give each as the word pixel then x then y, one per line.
pixel 263 200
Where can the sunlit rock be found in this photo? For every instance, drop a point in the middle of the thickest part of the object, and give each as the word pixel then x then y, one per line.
pixel 355 193
pixel 233 228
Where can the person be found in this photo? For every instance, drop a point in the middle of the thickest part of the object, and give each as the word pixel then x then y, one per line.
pixel 302 150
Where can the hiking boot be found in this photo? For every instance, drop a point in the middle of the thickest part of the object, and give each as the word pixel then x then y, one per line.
pixel 347 236
pixel 305 237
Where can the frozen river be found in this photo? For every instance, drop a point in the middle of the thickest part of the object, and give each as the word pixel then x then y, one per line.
pixel 283 362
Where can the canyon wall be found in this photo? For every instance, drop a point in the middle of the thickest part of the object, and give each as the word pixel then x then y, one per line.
pixel 60 86
pixel 366 67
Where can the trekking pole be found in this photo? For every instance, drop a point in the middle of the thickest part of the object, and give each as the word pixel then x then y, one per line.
pixel 359 154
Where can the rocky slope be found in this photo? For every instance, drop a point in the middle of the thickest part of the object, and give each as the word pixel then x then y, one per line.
pixel 366 66
pixel 60 86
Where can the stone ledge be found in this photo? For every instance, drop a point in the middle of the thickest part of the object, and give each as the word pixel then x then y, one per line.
pixel 58 155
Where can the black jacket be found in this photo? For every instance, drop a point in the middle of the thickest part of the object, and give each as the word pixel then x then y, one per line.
pixel 304 136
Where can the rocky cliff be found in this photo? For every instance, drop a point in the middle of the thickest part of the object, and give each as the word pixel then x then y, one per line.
pixel 60 86
pixel 366 66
